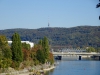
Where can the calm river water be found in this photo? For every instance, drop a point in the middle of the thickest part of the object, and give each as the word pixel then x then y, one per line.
pixel 72 66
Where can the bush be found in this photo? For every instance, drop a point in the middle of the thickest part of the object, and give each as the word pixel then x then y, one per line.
pixel 15 65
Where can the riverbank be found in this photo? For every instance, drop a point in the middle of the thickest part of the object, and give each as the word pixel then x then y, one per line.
pixel 47 69
pixel 30 71
pixel 39 71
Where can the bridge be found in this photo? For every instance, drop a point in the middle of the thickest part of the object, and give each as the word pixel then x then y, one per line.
pixel 96 56
pixel 74 53
pixel 77 54
pixel 69 50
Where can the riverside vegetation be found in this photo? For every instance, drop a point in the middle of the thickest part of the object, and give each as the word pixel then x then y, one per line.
pixel 19 55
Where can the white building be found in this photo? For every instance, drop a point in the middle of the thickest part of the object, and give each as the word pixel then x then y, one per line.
pixel 27 42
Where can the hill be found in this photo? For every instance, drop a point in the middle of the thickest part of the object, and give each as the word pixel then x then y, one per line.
pixel 80 36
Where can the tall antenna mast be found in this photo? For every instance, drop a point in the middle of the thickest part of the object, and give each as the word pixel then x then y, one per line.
pixel 48 22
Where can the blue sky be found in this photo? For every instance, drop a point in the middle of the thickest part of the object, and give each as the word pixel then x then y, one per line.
pixel 35 14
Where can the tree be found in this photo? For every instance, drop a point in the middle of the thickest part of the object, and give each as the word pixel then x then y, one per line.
pixel 40 42
pixel 5 53
pixel 45 45
pixel 51 58
pixel 42 50
pixel 40 56
pixel 90 49
pixel 26 46
pixel 26 54
pixel 16 48
pixel 98 5
pixel 34 53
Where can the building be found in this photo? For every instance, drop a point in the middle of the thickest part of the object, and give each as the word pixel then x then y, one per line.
pixel 27 42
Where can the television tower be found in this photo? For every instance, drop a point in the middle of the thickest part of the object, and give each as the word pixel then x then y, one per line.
pixel 48 22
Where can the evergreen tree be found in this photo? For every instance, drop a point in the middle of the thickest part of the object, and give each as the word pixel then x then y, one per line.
pixel 40 42
pixel 42 53
pixel 45 45
pixel 16 48
pixel 40 56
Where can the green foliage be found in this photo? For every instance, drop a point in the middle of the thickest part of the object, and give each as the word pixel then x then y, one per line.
pixel 43 54
pixel 98 49
pixel 45 45
pixel 27 63
pixel 40 56
pixel 5 63
pixel 81 36
pixel 14 57
pixel 15 64
pixel 16 48
pixel 40 42
pixel 5 53
pixel 91 49
pixel 3 41
pixel 26 46
pixel 51 58
pixel 36 62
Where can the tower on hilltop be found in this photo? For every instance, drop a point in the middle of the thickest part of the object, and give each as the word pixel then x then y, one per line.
pixel 48 22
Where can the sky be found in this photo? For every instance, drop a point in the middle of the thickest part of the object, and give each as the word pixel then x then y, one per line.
pixel 33 14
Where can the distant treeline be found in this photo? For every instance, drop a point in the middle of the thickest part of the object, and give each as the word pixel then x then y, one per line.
pixel 80 36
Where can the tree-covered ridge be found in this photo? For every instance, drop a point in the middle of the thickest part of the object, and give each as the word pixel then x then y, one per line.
pixel 81 36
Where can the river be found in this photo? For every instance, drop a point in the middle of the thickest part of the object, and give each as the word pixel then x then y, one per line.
pixel 72 66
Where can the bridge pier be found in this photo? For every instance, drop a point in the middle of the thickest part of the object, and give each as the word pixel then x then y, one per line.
pixel 58 57
pixel 80 57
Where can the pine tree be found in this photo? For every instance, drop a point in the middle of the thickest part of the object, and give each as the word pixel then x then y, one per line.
pixel 16 48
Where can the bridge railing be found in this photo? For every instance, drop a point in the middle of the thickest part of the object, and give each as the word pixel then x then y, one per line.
pixel 75 53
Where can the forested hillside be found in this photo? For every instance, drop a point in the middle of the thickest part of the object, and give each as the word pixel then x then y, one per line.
pixel 81 36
